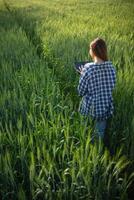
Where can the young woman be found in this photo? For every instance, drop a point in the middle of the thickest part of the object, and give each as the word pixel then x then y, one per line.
pixel 96 84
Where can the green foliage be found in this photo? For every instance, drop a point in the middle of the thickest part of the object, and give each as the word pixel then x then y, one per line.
pixel 45 148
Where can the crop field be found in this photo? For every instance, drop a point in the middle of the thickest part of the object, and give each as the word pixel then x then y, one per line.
pixel 45 148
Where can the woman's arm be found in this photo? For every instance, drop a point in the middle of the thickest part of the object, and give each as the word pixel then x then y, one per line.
pixel 83 84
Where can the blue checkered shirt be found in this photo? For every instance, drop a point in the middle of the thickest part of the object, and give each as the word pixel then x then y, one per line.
pixel 95 86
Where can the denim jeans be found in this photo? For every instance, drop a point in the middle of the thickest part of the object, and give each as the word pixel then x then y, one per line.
pixel 100 126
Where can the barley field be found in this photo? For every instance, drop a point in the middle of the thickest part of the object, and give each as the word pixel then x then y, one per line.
pixel 45 148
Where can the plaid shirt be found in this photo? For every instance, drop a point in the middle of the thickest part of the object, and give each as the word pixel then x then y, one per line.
pixel 95 86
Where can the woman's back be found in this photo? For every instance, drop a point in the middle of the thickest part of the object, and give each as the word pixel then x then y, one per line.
pixel 96 84
pixel 100 81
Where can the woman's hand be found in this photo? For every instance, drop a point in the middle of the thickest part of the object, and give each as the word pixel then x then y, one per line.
pixel 81 69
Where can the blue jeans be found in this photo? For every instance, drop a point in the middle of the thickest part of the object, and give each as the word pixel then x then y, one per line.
pixel 100 126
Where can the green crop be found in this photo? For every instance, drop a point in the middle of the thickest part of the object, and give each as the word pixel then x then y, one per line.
pixel 45 145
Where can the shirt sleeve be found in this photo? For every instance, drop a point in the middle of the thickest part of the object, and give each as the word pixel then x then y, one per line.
pixel 83 84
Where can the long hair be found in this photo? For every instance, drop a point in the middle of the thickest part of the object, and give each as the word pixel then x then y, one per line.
pixel 99 48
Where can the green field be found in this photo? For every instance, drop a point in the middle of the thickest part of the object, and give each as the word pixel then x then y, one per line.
pixel 45 150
